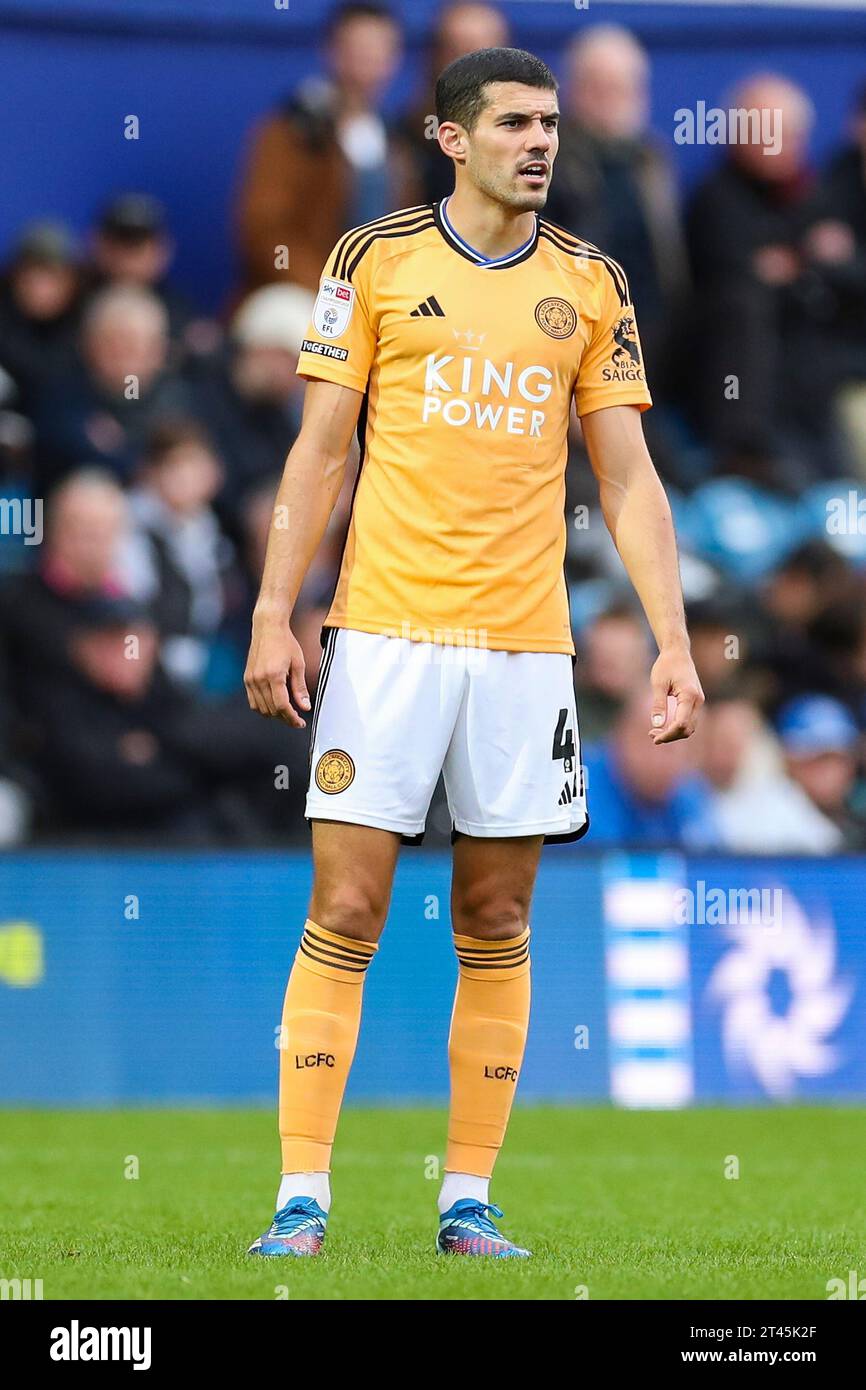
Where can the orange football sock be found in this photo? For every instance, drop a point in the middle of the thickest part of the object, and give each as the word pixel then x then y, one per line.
pixel 485 1048
pixel 321 1018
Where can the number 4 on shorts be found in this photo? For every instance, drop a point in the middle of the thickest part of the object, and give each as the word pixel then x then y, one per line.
pixel 563 747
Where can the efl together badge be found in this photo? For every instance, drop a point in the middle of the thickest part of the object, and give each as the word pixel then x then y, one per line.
pixel 335 771
pixel 333 308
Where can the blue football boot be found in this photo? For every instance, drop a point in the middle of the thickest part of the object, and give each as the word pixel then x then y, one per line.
pixel 298 1229
pixel 466 1229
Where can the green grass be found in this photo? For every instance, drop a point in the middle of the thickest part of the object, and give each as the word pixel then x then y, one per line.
pixel 632 1205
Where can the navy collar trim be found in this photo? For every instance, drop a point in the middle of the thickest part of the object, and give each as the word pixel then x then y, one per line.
pixel 454 239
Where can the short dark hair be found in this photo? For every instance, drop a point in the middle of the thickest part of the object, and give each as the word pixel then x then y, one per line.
pixel 348 13
pixel 171 433
pixel 460 94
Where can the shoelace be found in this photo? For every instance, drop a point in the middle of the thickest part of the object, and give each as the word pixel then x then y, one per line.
pixel 481 1222
pixel 297 1216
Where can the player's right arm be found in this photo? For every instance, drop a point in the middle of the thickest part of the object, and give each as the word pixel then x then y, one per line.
pixel 312 478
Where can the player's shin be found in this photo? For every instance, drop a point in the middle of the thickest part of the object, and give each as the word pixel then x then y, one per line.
pixel 485 1051
pixel 321 1018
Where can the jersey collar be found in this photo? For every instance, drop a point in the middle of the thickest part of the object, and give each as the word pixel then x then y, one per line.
pixel 455 240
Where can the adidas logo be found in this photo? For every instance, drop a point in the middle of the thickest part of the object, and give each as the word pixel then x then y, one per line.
pixel 428 308
pixel 569 792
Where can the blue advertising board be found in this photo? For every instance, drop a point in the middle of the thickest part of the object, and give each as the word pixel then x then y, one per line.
pixel 658 980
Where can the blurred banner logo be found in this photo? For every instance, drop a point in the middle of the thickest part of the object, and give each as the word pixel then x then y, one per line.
pixel 648 990
pixel 22 961
pixel 781 1001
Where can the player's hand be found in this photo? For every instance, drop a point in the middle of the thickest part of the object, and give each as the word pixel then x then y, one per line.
pixel 274 679
pixel 674 675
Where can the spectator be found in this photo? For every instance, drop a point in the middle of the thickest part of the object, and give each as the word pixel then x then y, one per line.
pixel 132 246
pixel 124 752
pixel 821 745
pixel 613 184
pixel 104 411
pixel 810 579
pixel 641 794
pixel 793 642
pixel 253 407
pixel 462 27
pixel 759 810
pixel 15 801
pixel 16 462
pixel 720 632
pixel 80 559
pixel 330 139
pixel 103 365
pixel 614 661
pixel 15 810
pixel 839 636
pixel 39 310
pixel 754 311
pixel 179 562
pixel 836 246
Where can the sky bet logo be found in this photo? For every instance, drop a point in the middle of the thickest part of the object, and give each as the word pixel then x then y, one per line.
pixel 472 376
pixel 315 1059
pixel 500 1073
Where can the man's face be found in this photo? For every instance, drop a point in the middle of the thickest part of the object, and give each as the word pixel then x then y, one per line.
pixel 729 731
pixel 266 374
pixel 85 531
pixel 609 90
pixel 140 262
pixel 652 772
pixel 41 291
pixel 363 55
pixel 187 478
pixel 112 663
pixel 518 127
pixel 786 116
pixel 616 655
pixel 123 344
pixel 826 778
pixel 465 29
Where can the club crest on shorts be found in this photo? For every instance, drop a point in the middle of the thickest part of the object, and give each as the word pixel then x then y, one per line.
pixel 333 308
pixel 556 317
pixel 335 771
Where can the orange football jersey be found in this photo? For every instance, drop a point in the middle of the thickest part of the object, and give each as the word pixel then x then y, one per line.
pixel 468 368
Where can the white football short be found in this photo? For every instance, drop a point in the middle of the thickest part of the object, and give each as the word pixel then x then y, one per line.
pixel 390 714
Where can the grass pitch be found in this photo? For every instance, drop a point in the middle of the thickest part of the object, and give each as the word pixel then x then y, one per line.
pixel 621 1205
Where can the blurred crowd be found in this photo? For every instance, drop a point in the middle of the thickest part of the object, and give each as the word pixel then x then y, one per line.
pixel 141 443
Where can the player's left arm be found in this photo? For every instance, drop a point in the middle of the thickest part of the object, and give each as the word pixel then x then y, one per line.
pixel 638 516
